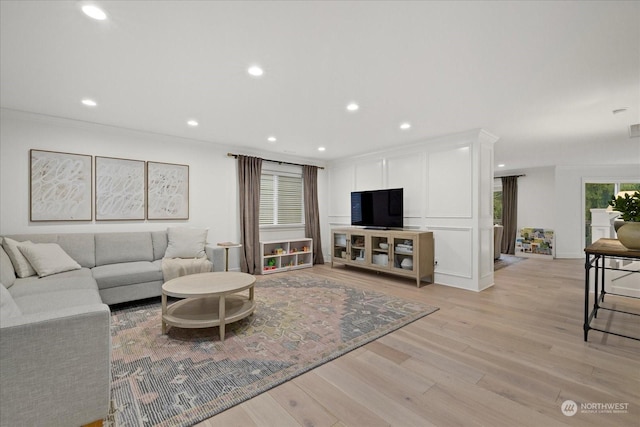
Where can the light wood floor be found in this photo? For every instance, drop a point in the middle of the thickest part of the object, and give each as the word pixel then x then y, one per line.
pixel 507 356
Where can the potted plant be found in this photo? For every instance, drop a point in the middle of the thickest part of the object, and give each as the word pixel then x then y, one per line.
pixel 629 207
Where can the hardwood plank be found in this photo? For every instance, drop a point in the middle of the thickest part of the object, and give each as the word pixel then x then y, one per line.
pixel 376 369
pixel 236 416
pixel 387 352
pixel 264 410
pixel 306 410
pixel 340 404
pixel 393 410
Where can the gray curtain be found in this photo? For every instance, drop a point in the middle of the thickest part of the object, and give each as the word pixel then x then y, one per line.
pixel 509 213
pixel 249 173
pixel 311 212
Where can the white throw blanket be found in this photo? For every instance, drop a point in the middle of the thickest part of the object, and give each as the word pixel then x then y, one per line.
pixel 176 267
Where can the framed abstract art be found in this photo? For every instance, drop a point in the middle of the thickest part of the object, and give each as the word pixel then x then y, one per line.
pixel 120 189
pixel 60 186
pixel 167 191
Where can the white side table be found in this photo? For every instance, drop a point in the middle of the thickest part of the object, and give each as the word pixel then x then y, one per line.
pixel 226 246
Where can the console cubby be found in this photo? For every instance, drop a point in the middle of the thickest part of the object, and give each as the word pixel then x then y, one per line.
pixel 282 255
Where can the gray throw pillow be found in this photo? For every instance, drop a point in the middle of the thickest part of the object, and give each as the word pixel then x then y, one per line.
pixel 48 258
pixel 8 307
pixel 186 242
pixel 20 263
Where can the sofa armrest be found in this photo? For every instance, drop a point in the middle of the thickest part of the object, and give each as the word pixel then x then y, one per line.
pixel 55 366
pixel 215 254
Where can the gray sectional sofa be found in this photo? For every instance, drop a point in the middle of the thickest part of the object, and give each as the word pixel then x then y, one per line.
pixel 55 352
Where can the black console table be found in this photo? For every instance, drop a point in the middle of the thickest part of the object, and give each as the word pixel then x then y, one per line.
pixel 596 256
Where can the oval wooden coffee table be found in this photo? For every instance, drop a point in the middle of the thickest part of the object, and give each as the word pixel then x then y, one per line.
pixel 210 300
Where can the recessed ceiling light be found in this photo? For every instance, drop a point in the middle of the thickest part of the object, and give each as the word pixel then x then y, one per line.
pixel 353 106
pixel 255 71
pixel 89 102
pixel 94 12
pixel 405 126
pixel 272 139
pixel 192 123
pixel 501 165
pixel 321 148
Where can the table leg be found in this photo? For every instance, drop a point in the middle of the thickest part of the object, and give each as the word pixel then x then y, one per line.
pixel 222 314
pixel 164 311
pixel 587 268
pixel 603 291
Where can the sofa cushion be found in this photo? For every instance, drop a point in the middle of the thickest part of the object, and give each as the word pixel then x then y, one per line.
pixel 8 307
pixel 7 273
pixel 159 240
pixel 21 265
pixel 48 258
pixel 127 273
pixel 49 301
pixel 57 282
pixel 84 273
pixel 114 248
pixel 186 242
pixel 80 246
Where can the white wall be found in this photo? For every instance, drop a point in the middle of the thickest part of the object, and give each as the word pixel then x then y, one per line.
pixel 212 175
pixel 553 197
pixel 536 197
pixel 569 201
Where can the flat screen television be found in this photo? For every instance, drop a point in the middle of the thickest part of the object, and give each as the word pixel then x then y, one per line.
pixel 377 209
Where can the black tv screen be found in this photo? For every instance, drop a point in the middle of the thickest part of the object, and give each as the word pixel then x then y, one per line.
pixel 378 208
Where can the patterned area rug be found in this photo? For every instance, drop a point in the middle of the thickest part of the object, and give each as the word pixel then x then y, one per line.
pixel 301 321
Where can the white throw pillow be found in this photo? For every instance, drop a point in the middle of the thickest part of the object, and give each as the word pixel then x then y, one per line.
pixel 48 258
pixel 8 307
pixel 20 263
pixel 186 242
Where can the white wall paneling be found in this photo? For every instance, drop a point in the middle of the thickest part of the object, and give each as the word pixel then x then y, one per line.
pixel 443 180
pixel 454 251
pixel 485 182
pixel 369 175
pixel 407 172
pixel 484 190
pixel 486 252
pixel 450 182
pixel 341 184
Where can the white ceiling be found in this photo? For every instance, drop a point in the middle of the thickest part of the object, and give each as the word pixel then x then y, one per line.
pixel 536 74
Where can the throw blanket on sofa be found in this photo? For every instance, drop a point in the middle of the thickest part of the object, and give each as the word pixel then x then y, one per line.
pixel 176 267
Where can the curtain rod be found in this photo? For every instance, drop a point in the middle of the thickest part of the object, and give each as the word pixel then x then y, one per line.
pixel 509 176
pixel 235 156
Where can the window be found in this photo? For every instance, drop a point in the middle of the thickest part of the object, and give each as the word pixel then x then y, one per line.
pixel 497 201
pixel 597 195
pixel 281 199
pixel 497 207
